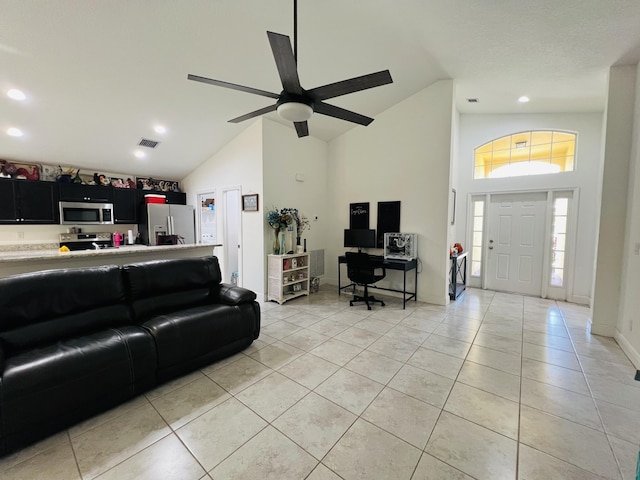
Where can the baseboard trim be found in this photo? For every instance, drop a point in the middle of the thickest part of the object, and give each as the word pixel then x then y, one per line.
pixel 579 299
pixel 603 330
pixel 628 349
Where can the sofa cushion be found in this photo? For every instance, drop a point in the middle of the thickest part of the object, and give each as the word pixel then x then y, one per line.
pixel 37 308
pixel 163 286
pixel 68 326
pixel 194 332
pixel 49 388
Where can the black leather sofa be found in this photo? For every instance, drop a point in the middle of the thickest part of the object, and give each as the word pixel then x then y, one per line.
pixel 75 342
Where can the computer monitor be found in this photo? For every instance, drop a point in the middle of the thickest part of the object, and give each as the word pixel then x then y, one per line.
pixel 360 238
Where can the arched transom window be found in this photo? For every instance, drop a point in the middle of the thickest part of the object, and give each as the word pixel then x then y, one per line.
pixel 526 153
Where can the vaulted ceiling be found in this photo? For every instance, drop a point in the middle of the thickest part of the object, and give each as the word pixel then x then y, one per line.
pixel 100 74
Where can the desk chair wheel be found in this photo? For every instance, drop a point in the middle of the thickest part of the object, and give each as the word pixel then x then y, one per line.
pixel 367 299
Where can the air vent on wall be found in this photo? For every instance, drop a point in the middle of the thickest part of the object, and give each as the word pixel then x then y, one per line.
pixel 145 142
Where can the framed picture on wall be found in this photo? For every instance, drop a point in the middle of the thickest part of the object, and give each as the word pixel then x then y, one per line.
pixel 359 216
pixel 250 202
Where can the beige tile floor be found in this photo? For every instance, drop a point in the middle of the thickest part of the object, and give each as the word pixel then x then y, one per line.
pixel 494 386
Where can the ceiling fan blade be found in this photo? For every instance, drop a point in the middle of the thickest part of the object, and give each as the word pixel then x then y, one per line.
pixel 352 85
pixel 286 62
pixel 257 113
pixel 341 113
pixel 302 128
pixel 233 86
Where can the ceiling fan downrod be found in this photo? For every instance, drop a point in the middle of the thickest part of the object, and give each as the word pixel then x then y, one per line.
pixel 295 30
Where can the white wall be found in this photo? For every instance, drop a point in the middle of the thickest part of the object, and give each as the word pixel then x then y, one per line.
pixel 239 163
pixel 285 156
pixel 613 207
pixel 476 130
pixel 404 155
pixel 628 325
pixel 454 208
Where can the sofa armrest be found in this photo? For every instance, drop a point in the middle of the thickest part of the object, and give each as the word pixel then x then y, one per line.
pixel 234 295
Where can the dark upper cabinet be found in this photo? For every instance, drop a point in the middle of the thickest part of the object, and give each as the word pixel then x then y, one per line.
pixel 23 201
pixel 125 205
pixel 175 198
pixel 74 192
pixel 7 202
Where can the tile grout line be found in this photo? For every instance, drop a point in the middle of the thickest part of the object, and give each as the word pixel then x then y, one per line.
pixel 449 394
pixel 593 399
pixel 518 443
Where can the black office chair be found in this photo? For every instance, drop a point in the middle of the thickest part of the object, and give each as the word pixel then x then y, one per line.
pixel 361 271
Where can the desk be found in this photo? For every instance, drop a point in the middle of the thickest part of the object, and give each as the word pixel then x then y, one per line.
pixel 401 265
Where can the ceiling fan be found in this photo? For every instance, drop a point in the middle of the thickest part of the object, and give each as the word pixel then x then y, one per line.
pixel 294 103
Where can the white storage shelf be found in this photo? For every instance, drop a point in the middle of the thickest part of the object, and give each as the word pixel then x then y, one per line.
pixel 288 276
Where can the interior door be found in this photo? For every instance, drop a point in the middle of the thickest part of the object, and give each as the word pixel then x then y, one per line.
pixel 232 224
pixel 515 242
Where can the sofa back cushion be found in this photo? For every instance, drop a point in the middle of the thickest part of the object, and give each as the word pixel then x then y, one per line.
pixel 163 286
pixel 42 307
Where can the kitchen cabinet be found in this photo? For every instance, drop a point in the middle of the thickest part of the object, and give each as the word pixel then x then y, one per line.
pixel 74 192
pixel 288 276
pixel 7 202
pixel 24 201
pixel 174 198
pixel 125 205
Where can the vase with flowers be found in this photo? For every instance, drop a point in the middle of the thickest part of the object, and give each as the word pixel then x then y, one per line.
pixel 302 222
pixel 279 220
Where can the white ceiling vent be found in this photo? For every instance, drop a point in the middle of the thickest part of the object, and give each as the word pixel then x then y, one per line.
pixel 145 142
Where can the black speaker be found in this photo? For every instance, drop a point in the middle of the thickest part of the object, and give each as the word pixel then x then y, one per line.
pixel 388 220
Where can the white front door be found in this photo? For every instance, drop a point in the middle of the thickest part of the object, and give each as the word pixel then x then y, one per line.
pixel 515 242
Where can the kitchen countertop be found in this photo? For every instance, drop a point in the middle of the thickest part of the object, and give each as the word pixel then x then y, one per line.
pixel 53 254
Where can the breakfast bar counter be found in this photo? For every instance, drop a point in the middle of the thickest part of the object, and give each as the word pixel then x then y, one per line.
pixel 25 260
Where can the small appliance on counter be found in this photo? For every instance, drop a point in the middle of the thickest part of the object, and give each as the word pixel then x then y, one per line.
pixel 86 241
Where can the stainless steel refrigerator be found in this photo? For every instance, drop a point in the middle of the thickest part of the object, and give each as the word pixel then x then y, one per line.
pixel 167 224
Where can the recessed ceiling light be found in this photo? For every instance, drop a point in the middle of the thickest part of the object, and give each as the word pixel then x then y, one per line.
pixel 139 153
pixel 14 132
pixel 160 129
pixel 523 99
pixel 16 94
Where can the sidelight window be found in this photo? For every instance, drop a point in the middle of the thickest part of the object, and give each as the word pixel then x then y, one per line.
pixel 558 240
pixel 476 238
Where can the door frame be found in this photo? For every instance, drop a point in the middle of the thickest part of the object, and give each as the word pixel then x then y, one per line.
pixel 198 206
pixel 547 291
pixel 223 207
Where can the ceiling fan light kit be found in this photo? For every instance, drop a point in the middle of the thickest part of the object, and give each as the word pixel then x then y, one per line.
pixel 295 112
pixel 294 103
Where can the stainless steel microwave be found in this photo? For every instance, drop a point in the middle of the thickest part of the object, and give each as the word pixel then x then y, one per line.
pixel 78 213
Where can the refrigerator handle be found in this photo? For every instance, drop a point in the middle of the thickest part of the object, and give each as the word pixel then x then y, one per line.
pixel 171 228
